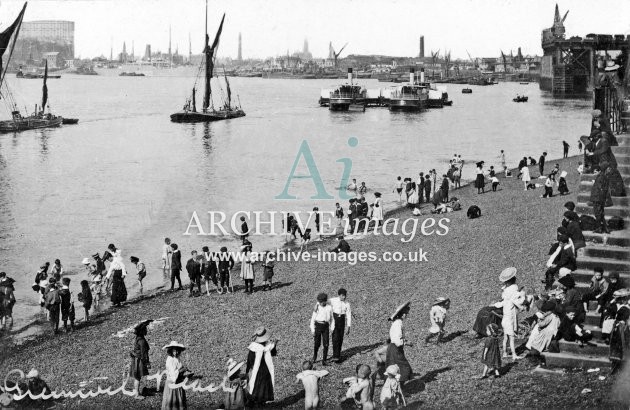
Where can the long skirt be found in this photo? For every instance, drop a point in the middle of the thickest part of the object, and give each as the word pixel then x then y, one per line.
pixel 617 187
pixel 119 291
pixel 480 182
pixel 173 399
pixel 619 341
pixel 486 316
pixel 396 355
pixel 138 369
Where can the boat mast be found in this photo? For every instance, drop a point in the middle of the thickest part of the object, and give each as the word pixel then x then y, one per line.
pixel 194 103
pixel 45 89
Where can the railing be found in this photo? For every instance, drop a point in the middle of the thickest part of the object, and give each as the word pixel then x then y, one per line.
pixel 607 101
pixel 405 96
pixel 346 95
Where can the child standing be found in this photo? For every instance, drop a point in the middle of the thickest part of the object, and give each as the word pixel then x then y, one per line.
pixel 174 398
pixel 491 356
pixel 563 189
pixel 310 380
pixel 339 214
pixel 525 176
pixel 548 187
pixel 86 298
pixel 67 304
pixel 398 188
pixel 268 265
pixel 142 270
pixel 166 256
pixel 391 394
pixel 306 239
pixel 438 319
pixel 234 386
pixel 495 183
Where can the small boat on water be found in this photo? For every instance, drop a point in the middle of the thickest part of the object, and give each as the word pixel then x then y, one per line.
pixel 466 91
pixel 131 74
pixel 39 118
pixel 524 83
pixel 189 113
pixel 348 96
pixel 66 121
pixel 520 98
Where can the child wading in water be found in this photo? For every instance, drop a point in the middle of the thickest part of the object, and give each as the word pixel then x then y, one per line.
pixel 398 188
pixel 491 356
pixel 438 319
pixel 142 270
pixel 310 380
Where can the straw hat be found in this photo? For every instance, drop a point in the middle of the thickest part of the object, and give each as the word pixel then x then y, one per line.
pixel 400 309
pixel 393 370
pixel 507 274
pixel 261 335
pixel 85 261
pixel 612 67
pixel 621 293
pixel 563 272
pixel 174 345
pixel 440 300
pixel 32 374
pixel 142 324
pixel 233 366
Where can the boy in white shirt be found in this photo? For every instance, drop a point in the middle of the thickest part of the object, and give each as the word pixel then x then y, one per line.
pixel 322 323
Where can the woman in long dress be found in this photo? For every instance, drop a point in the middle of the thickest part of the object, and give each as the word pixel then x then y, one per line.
pixel 174 398
pixel 395 350
pixel 116 274
pixel 480 182
pixel 377 212
pixel 140 357
pixel 260 367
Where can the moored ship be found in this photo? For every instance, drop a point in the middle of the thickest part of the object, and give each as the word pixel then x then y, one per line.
pixel 410 97
pixel 348 97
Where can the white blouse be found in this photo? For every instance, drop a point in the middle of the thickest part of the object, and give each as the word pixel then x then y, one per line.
pixel 396 332
pixel 116 264
pixel 173 366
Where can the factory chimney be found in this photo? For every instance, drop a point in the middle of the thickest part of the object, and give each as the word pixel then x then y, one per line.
pixel 421 55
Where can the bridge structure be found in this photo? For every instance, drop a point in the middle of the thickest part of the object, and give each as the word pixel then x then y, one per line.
pixel 573 66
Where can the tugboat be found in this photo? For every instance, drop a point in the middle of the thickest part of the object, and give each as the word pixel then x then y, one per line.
pixel 520 98
pixel 208 113
pixel 348 97
pixel 18 122
pixel 410 97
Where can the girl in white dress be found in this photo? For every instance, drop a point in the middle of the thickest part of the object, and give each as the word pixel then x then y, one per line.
pixel 512 301
pixel 377 212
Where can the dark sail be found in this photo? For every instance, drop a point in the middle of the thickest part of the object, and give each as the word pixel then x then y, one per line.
pixel 45 88
pixel 209 52
pixel 5 39
pixel 229 92
pixel 194 102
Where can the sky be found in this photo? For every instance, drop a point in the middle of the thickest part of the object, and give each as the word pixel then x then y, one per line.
pixel 271 27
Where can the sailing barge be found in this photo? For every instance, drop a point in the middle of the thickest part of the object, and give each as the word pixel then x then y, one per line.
pixel 208 113
pixel 18 122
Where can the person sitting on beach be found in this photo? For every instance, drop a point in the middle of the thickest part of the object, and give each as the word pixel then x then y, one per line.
pixel 438 319
pixel 563 189
pixel 310 380
pixel 548 187
pixel 380 357
pixel 545 330
pixel 570 329
pixel 36 385
pixel 452 206
pixel 360 389
pixel 532 161
pixel 595 289
pixel 306 239
pixel 571 221
pixel 562 256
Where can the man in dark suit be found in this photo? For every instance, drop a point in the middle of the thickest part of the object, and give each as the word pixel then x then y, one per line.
pixel 363 209
pixel 599 194
pixel 176 266
pixel 601 152
pixel 541 163
pixel 420 187
pixel 353 214
pixel 427 188
pixel 342 246
pixel 444 188
pixel 193 267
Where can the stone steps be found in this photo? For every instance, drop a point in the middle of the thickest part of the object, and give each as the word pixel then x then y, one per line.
pixel 615 238
pixel 596 348
pixel 583 276
pixel 622 211
pixel 589 263
pixel 592 318
pixel 585 196
pixel 611 252
pixel 573 360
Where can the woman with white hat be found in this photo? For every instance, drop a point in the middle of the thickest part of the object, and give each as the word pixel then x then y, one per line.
pixel 174 398
pixel 512 301
pixel 260 367
pixel 396 351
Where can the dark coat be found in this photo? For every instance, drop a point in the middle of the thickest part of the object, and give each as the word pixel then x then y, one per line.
pixel 193 268
pixel 444 187
pixel 342 247
pixel 600 189
pixel 541 161
pixel 427 185
pixel 176 260
pixel 226 262
pixel 363 209
pixel 603 153
pixel 575 233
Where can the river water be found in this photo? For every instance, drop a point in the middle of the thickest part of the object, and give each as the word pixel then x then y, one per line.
pixel 127 175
